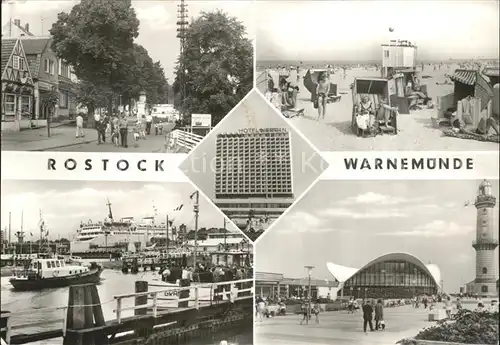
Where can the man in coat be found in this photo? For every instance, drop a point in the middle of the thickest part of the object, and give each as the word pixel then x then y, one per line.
pixel 367 315
pixel 379 315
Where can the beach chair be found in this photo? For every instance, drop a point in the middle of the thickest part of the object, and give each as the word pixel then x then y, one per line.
pixel 375 89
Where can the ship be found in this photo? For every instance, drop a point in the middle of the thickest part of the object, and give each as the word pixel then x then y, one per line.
pixel 107 239
pixel 49 273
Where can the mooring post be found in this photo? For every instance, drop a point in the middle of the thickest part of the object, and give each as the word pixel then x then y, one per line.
pixel 184 294
pixel 5 326
pixel 76 315
pixel 141 286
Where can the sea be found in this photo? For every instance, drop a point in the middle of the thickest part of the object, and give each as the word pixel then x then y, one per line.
pixel 113 283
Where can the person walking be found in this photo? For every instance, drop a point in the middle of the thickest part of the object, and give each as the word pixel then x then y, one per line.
pixel 322 91
pixel 316 310
pixel 123 131
pixel 379 315
pixel 149 122
pixel 79 126
pixel 367 315
pixel 305 314
pixel 448 306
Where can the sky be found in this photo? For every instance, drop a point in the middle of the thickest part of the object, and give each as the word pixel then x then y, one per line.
pixel 354 30
pixel 64 204
pixel 253 112
pixel 157 30
pixel 352 222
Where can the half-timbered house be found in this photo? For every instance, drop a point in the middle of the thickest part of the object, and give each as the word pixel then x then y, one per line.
pixel 17 86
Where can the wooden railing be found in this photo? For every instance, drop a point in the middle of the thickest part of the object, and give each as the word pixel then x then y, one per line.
pixel 185 139
pixel 154 301
pixel 171 294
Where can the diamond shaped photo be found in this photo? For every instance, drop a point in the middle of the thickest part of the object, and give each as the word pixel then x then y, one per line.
pixel 253 165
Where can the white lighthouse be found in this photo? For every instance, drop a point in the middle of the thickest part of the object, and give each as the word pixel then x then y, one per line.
pixel 486 242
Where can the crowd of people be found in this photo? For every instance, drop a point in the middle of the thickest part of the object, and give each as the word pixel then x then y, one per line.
pixel 115 128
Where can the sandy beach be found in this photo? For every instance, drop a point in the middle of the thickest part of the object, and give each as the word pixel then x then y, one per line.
pixel 416 130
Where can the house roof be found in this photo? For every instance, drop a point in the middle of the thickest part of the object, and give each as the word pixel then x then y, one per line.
pixel 34 45
pixel 7 48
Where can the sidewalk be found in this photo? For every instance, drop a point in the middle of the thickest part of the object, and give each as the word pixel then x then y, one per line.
pixel 38 139
pixel 63 139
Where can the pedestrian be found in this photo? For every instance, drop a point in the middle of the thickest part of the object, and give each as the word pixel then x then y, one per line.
pixel 316 310
pixel 350 305
pixel 379 315
pixel 305 314
pixel 322 91
pixel 367 316
pixel 79 126
pixel 124 131
pixel 149 122
pixel 448 306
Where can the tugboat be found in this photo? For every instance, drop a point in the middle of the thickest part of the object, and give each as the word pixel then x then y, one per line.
pixel 54 273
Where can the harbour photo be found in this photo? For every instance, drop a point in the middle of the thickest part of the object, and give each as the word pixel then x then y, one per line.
pixel 253 166
pixel 82 262
pixel 385 83
pixel 382 262
pixel 127 76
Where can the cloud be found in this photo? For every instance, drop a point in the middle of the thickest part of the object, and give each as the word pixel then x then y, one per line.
pixel 346 213
pixel 302 222
pixel 156 16
pixel 436 228
pixel 373 198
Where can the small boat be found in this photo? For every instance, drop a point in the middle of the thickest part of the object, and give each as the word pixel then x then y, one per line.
pixel 53 273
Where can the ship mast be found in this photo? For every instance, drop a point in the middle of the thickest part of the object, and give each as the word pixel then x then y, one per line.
pixel 196 209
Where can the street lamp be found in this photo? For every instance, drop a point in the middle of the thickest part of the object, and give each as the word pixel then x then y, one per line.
pixel 309 271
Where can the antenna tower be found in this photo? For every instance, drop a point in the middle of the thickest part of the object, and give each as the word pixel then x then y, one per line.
pixel 182 26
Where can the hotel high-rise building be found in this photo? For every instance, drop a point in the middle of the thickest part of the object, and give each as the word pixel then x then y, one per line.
pixel 253 175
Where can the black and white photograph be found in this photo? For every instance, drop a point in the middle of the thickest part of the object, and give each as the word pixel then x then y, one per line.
pixel 382 262
pixel 253 166
pixel 121 263
pixel 383 75
pixel 121 75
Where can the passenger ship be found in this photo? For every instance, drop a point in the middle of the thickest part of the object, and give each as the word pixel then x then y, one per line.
pixel 110 232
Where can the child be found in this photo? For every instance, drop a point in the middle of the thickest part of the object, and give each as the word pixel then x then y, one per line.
pixel 322 91
pixel 316 311
pixel 136 134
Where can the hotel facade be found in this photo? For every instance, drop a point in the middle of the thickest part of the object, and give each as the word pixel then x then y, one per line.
pixel 253 175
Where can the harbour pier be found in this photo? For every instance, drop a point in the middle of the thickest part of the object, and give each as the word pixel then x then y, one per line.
pixel 161 315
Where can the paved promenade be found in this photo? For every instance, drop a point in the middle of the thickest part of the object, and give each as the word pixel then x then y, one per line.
pixel 63 139
pixel 341 328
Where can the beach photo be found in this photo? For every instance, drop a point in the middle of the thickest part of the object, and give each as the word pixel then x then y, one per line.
pixel 121 75
pixel 382 262
pixel 116 253
pixel 366 76
pixel 253 165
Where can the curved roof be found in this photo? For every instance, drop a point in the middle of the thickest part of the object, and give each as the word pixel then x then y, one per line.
pixel 343 273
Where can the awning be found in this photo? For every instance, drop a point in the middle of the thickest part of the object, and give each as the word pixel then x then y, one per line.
pixel 467 77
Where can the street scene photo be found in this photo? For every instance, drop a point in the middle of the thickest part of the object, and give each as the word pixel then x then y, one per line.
pixel 382 262
pixel 372 79
pixel 121 263
pixel 121 75
pixel 253 165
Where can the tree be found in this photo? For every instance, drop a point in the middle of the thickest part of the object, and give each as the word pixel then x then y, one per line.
pixel 50 101
pixel 95 38
pixel 216 67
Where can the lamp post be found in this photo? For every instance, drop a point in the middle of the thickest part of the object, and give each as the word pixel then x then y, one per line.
pixel 309 271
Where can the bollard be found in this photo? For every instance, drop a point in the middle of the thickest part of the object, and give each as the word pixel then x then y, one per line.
pixel 84 307
pixel 141 286
pixel 184 293
pixel 5 325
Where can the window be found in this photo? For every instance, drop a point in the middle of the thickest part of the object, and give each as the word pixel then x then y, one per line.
pixel 49 66
pixel 16 62
pixel 25 105
pixel 10 103
pixel 386 53
pixel 63 99
pixel 484 288
pixel 64 69
pixel 485 270
pixel 58 264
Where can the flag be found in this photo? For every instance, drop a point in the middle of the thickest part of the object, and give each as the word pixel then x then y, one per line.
pixel 31 234
pixel 178 208
pixel 47 234
pixel 170 222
